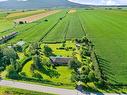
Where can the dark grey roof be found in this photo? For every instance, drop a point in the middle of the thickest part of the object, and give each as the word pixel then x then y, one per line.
pixel 60 60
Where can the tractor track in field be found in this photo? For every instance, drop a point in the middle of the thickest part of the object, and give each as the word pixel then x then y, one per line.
pixel 49 30
pixel 52 28
pixel 66 30
pixel 81 24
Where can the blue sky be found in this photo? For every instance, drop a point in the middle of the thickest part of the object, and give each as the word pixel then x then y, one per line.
pixel 95 2
pixel 101 2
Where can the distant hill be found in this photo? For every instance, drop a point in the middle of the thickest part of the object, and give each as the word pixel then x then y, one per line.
pixel 35 4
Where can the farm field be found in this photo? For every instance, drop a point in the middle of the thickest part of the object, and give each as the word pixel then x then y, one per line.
pixel 36 17
pixel 6 18
pixel 107 29
pixel 4 23
pixel 20 14
pixel 69 28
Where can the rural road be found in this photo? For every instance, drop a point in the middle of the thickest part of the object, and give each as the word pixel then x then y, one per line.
pixel 46 89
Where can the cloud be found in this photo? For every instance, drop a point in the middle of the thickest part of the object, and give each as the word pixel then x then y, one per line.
pixel 3 0
pixel 7 0
pixel 101 2
pixel 22 0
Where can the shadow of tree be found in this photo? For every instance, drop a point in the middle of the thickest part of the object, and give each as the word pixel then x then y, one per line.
pixel 49 72
pixel 106 69
pixel 43 81
pixel 90 90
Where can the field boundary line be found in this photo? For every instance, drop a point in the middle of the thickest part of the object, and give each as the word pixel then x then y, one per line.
pixel 52 28
pixel 49 30
pixel 66 30
pixel 83 28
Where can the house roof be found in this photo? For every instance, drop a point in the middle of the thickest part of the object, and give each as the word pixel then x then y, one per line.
pixel 60 60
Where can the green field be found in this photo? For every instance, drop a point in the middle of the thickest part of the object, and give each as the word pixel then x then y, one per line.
pixel 108 31
pixel 6 19
pixel 4 23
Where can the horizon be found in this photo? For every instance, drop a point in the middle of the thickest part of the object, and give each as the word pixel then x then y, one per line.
pixel 100 2
pixel 91 2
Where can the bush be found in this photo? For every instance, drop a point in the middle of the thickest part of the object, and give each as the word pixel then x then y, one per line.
pixel 1 68
pixel 11 72
pixel 47 50
pixel 37 75
pixel 22 74
pixel 18 48
pixel 74 64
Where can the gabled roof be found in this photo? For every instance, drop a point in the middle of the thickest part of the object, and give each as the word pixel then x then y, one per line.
pixel 60 60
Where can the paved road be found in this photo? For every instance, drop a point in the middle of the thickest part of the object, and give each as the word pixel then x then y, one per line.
pixel 46 89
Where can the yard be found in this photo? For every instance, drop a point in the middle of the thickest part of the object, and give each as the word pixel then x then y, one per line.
pixel 61 75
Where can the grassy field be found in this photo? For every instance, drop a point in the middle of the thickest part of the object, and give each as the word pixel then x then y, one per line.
pixel 15 91
pixel 36 29
pixel 53 30
pixel 4 23
pixel 107 29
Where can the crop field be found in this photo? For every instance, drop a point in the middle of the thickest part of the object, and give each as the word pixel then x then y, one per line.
pixel 36 17
pixel 4 23
pixel 107 29
pixel 21 14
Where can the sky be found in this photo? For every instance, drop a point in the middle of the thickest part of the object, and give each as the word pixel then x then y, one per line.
pixel 94 2
pixel 101 2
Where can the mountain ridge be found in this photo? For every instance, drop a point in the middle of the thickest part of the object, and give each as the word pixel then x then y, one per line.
pixel 36 4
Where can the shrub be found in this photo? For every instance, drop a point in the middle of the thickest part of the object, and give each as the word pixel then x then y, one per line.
pixel 74 64
pixel 1 68
pixel 37 75
pixel 22 73
pixel 11 73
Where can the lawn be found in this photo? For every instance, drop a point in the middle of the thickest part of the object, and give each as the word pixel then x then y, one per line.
pixel 107 29
pixel 62 52
pixel 63 78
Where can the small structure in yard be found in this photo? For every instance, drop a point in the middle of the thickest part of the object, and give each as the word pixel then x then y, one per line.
pixel 20 43
pixel 78 45
pixel 60 60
